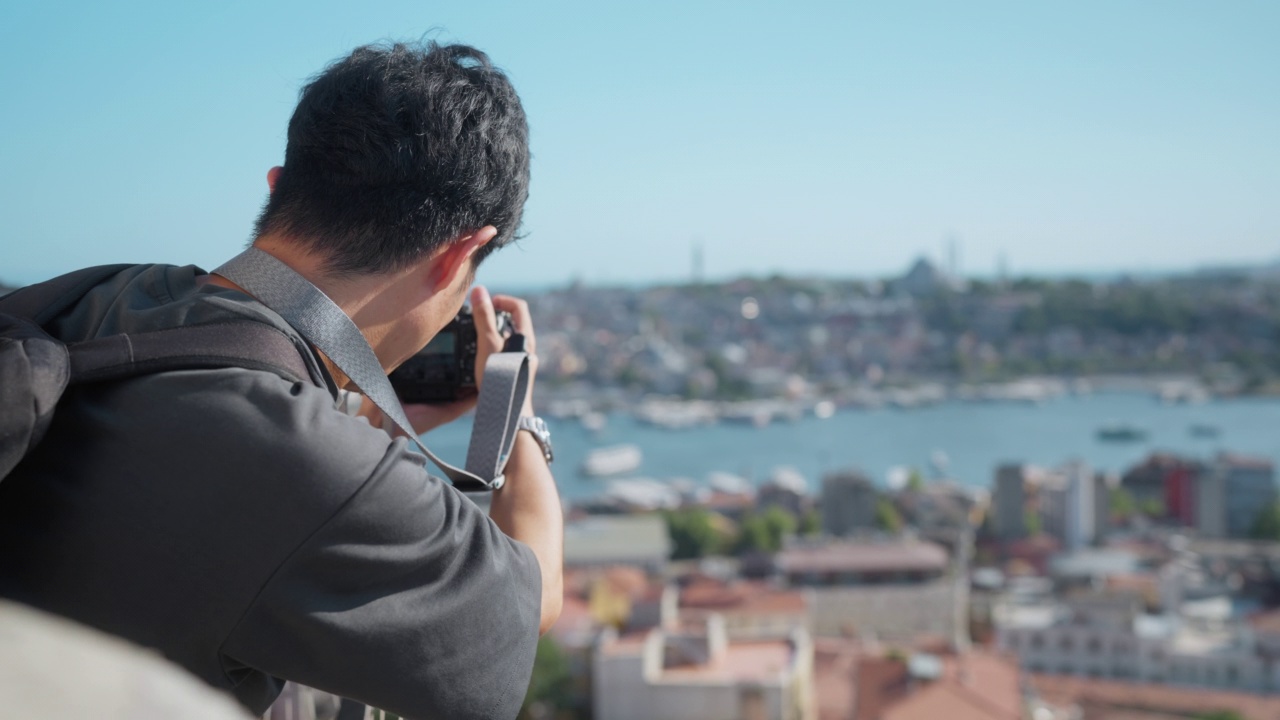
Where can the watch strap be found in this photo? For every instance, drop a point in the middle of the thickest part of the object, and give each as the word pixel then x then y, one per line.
pixel 537 428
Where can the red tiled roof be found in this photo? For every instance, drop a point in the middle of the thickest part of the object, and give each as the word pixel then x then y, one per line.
pixel 628 580
pixel 741 597
pixel 855 680
pixel 835 663
pixel 881 682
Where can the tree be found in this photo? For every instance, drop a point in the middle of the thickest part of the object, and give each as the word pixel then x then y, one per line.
pixel 811 523
pixel 551 687
pixel 1031 519
pixel 1152 508
pixel 764 532
pixel 1267 525
pixel 693 534
pixel 887 517
pixel 1122 504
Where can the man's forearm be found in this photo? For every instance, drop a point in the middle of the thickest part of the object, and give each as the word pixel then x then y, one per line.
pixel 528 509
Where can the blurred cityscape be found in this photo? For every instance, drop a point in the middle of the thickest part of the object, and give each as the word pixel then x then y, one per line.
pixel 925 336
pixel 1036 592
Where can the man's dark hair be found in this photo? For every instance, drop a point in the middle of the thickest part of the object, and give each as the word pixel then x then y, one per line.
pixel 396 150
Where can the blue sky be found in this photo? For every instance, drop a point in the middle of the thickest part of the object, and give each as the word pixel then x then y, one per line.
pixel 833 138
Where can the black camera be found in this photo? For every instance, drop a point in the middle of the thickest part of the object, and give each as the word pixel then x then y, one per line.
pixel 445 370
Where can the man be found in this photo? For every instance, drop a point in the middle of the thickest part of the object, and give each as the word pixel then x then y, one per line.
pixel 242 523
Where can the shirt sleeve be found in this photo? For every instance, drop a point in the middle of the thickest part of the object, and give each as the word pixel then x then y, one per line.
pixel 409 599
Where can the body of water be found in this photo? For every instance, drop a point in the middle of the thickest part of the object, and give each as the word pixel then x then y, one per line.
pixel 975 437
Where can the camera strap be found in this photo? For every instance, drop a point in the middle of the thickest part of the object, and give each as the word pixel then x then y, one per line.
pixel 323 324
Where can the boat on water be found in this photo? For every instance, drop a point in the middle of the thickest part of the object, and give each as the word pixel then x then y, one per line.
pixel 610 461
pixel 1204 430
pixel 1121 432
pixel 593 421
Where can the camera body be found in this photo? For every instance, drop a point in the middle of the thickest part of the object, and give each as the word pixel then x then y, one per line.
pixel 445 370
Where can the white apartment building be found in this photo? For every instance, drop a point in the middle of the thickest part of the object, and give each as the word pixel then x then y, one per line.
pixel 1108 636
pixel 699 673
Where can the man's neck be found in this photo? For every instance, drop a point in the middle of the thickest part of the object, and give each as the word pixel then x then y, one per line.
pixel 339 378
pixel 394 311
pixel 309 266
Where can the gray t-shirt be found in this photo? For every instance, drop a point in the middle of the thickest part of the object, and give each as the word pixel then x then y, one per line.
pixel 250 531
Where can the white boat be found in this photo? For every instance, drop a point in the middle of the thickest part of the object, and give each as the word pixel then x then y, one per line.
pixel 593 421
pixel 609 461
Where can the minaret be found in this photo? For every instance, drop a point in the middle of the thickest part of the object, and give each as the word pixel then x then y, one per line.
pixel 697 262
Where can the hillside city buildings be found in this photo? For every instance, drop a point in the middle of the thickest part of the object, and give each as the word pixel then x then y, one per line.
pixel 1054 591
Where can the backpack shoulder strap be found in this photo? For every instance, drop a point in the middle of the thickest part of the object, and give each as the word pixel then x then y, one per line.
pixel 244 343
pixel 44 301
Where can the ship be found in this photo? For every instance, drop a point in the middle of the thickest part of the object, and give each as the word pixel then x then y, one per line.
pixel 610 461
pixel 1121 432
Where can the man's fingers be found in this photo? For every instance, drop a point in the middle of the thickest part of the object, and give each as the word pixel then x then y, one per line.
pixel 521 319
pixel 482 310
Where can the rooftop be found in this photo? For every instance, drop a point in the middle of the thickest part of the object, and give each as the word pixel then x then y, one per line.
pixel 613 538
pixel 1232 460
pixel 835 663
pixel 975 685
pixel 1095 563
pixel 756 661
pixel 1029 617
pixel 741 597
pixel 753 661
pixel 864 557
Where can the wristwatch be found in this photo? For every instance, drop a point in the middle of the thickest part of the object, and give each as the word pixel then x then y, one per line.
pixel 538 429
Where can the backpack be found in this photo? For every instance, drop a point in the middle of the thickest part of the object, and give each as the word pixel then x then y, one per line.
pixel 37 368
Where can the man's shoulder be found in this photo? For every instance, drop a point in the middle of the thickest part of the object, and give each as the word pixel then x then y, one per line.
pixel 286 436
pixel 144 298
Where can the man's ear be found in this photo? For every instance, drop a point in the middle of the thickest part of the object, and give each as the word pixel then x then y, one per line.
pixel 273 176
pixel 451 261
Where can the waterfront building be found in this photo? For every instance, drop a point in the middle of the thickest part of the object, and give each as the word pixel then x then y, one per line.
pixel 1147 482
pixel 1181 487
pixel 1228 494
pixel 1176 486
pixel 1249 487
pixel 787 489
pixel 1010 502
pixel 1067 507
pixel 848 503
pixel 941 511
pixel 1102 486
pixel 1211 505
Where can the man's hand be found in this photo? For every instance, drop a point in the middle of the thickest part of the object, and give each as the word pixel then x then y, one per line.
pixel 427 417
pixel 488 340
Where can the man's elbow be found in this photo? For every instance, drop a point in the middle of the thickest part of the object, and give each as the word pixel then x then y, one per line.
pixel 552 603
